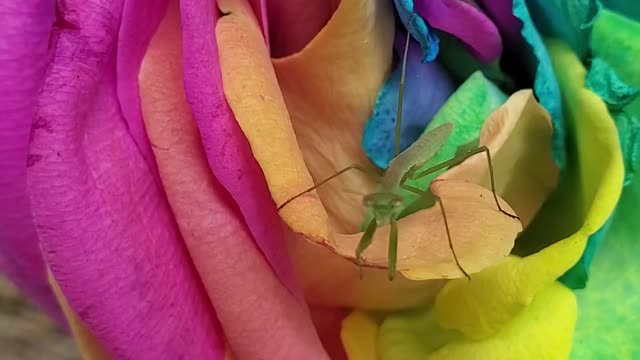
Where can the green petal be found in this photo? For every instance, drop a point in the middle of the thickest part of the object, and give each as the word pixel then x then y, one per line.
pixel 609 318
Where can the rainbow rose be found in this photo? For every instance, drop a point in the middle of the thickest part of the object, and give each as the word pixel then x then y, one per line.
pixel 150 152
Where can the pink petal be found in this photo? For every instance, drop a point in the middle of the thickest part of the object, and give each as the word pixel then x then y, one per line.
pixel 23 62
pixel 260 317
pixel 465 22
pixel 106 229
pixel 228 152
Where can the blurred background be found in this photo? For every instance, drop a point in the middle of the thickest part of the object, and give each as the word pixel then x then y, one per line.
pixel 25 333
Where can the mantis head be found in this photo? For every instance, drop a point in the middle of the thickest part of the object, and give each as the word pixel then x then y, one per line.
pixel 384 205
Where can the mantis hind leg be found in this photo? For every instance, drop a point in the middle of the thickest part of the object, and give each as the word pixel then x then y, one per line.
pixel 446 223
pixel 457 160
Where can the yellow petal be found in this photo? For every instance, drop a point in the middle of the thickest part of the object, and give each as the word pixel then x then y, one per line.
pixel 482 306
pixel 359 335
pixel 518 135
pixel 252 90
pixel 544 330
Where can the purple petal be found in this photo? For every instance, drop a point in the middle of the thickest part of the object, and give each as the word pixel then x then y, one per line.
pixel 106 229
pixel 465 22
pixel 501 12
pixel 227 149
pixel 23 62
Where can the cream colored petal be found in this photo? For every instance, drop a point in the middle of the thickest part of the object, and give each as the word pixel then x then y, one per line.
pixel 481 235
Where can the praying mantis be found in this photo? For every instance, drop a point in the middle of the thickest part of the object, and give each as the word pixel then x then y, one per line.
pixel 408 165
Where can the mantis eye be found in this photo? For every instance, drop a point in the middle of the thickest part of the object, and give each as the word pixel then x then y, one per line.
pixel 369 200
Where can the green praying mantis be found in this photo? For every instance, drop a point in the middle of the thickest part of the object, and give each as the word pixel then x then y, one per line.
pixel 385 203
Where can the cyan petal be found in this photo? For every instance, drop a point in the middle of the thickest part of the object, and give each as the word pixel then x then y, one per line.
pixel 603 80
pixel 428 87
pixel 569 20
pixel 628 7
pixel 545 85
pixel 419 29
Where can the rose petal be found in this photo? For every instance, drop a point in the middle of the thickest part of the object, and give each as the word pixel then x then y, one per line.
pixel 589 189
pixel 251 89
pixel 106 230
pixel 230 265
pixel 23 62
pixel 466 23
pixel 227 149
pixel 293 23
pixel 518 135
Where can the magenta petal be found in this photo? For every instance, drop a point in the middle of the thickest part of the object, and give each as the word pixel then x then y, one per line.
pixel 501 12
pixel 466 23
pixel 106 229
pixel 140 18
pixel 227 149
pixel 26 28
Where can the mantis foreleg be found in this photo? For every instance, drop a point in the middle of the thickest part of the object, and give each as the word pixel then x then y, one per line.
pixel 455 161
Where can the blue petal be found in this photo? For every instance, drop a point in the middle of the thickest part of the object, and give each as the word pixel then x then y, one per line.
pixel 419 29
pixel 427 88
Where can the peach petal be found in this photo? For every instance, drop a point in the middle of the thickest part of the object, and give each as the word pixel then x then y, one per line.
pixel 232 268
pixel 518 135
pixel 343 69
